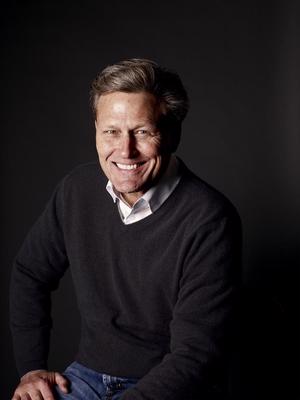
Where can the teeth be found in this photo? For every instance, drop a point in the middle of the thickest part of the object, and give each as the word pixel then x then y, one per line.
pixel 126 166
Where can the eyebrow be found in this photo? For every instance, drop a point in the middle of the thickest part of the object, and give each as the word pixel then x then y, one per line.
pixel 144 124
pixel 111 126
pixel 139 125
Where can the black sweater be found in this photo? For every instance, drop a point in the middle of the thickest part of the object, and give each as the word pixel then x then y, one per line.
pixel 155 297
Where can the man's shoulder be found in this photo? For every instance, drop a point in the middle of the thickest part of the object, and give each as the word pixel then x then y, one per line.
pixel 82 182
pixel 204 199
pixel 85 173
pixel 85 170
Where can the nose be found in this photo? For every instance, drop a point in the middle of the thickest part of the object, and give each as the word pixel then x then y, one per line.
pixel 128 146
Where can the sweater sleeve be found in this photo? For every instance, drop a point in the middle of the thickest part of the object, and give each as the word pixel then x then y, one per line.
pixel 37 269
pixel 202 317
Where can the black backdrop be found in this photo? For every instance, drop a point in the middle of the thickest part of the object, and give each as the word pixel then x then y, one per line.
pixel 240 62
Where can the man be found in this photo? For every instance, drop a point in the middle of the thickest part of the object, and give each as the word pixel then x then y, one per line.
pixel 153 251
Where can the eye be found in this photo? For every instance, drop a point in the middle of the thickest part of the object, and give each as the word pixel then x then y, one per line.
pixel 110 132
pixel 142 132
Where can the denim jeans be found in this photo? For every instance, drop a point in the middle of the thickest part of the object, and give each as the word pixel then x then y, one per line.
pixel 87 384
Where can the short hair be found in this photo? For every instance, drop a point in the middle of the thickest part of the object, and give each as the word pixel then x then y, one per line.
pixel 141 75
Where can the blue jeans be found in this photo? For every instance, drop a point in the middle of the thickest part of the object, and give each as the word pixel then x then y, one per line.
pixel 87 384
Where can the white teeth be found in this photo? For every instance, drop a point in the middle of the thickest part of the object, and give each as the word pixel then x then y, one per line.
pixel 126 166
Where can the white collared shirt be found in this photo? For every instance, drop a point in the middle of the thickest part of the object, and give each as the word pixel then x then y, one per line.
pixel 152 199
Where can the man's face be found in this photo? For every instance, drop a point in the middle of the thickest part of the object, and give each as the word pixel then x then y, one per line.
pixel 129 144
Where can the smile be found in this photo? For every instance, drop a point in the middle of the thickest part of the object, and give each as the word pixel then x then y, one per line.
pixel 128 166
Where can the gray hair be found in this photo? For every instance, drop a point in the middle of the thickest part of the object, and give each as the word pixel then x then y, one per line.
pixel 138 75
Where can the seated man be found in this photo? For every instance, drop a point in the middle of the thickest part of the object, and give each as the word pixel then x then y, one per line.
pixel 154 253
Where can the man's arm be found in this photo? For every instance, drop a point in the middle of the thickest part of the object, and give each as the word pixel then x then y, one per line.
pixel 37 269
pixel 201 318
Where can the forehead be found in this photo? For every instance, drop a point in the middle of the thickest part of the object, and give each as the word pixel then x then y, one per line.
pixel 134 105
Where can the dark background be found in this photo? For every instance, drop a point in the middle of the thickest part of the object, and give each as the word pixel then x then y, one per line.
pixel 240 62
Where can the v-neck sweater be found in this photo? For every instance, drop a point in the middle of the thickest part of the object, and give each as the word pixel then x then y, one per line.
pixel 155 297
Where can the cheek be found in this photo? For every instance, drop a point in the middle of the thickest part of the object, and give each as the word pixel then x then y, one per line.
pixel 103 149
pixel 152 150
pixel 155 164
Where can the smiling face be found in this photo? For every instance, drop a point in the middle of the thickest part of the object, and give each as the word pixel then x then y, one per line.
pixel 131 149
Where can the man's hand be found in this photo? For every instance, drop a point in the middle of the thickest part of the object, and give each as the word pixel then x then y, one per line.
pixel 37 385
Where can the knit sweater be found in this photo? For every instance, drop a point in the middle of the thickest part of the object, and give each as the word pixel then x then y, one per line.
pixel 155 297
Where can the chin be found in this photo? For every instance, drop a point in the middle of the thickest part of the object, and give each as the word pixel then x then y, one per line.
pixel 128 189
